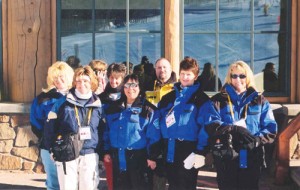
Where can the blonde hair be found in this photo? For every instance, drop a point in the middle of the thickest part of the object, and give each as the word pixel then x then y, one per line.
pixel 86 71
pixel 56 70
pixel 98 65
pixel 244 67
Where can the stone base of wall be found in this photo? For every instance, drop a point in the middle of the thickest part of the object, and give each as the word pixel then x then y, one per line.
pixel 18 144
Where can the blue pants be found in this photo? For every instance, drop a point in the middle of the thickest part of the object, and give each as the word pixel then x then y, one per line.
pixel 50 169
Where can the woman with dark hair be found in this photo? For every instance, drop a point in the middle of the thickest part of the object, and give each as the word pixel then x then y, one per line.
pixel 112 93
pixel 207 78
pixel 184 112
pixel 131 138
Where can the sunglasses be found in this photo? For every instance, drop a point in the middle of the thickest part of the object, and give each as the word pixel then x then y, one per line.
pixel 131 85
pixel 235 76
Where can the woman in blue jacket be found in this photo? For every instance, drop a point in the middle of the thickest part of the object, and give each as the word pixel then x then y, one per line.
pixel 112 93
pixel 131 138
pixel 184 112
pixel 59 81
pixel 81 114
pixel 248 118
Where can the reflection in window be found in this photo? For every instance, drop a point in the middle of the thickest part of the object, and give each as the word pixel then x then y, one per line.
pixel 222 31
pixel 115 30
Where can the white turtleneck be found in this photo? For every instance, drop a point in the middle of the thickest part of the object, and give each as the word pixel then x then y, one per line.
pixel 83 96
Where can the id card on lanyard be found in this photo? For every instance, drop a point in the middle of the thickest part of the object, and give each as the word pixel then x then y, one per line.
pixel 170 118
pixel 84 131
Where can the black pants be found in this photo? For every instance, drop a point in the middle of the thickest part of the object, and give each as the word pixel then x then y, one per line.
pixel 231 177
pixel 178 177
pixel 137 176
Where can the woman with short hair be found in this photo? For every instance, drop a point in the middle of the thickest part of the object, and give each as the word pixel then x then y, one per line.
pixel 80 115
pixel 131 138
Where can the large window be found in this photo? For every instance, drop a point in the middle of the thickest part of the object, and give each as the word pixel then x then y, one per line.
pixel 111 30
pixel 255 31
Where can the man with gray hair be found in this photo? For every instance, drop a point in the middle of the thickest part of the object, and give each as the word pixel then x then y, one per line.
pixel 162 84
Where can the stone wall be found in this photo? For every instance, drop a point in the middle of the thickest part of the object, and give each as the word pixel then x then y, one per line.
pixel 18 144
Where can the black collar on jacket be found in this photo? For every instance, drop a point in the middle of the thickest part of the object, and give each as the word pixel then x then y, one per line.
pixel 44 96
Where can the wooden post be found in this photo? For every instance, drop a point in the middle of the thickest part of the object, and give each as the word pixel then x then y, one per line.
pixel 172 33
pixel 28 47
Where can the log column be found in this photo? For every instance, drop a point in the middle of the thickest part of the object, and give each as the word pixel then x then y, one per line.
pixel 27 52
pixel 172 33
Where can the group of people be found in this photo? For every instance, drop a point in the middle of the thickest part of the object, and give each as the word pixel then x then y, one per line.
pixel 149 145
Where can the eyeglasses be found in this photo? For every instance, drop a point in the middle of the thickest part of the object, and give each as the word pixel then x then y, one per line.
pixel 131 85
pixel 235 76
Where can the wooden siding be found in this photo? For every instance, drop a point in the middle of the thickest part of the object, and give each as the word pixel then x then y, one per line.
pixel 27 52
pixel 29 47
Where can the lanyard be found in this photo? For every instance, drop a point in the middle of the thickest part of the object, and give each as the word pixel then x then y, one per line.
pixel 231 109
pixel 154 87
pixel 88 117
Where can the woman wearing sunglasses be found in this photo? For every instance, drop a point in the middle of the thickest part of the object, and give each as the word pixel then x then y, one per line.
pixel 247 117
pixel 131 138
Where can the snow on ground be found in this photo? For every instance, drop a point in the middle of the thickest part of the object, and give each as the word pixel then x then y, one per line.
pixel 233 18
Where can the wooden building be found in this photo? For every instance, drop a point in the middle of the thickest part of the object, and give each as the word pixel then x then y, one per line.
pixel 29 47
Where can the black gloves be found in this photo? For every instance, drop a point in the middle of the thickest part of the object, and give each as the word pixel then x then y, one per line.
pixel 241 137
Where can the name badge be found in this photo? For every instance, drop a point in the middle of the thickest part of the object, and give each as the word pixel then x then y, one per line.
pixel 85 133
pixel 170 120
pixel 241 122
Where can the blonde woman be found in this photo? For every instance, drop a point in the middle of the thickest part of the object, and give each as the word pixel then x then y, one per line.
pixel 59 81
pixel 248 118
pixel 81 115
pixel 100 68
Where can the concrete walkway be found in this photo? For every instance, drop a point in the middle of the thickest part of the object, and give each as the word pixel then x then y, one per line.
pixel 16 180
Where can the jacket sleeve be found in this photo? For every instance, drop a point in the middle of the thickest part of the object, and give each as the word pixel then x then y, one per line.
pixel 154 136
pixel 101 128
pixel 208 118
pixel 268 124
pixel 105 135
pixel 36 118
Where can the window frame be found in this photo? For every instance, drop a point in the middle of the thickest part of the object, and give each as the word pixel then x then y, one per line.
pixel 280 97
pixel 127 30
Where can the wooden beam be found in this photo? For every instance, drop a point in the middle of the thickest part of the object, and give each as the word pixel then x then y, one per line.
pixel 294 55
pixel 172 33
pixel 4 50
pixel 29 48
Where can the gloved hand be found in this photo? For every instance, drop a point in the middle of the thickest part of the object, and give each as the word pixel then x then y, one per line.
pixel 251 142
pixel 199 161
pixel 245 138
pixel 241 130
pixel 224 129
